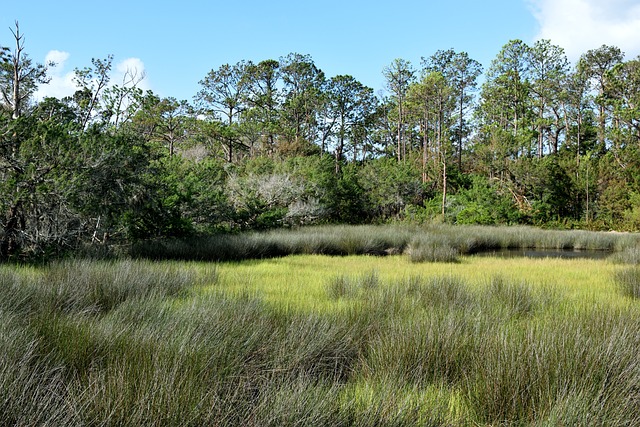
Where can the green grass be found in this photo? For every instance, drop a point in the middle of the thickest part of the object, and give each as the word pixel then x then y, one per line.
pixel 431 243
pixel 320 340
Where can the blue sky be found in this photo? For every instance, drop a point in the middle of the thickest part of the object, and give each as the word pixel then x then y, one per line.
pixel 178 43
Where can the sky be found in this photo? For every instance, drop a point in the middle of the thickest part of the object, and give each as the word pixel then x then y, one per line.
pixel 176 43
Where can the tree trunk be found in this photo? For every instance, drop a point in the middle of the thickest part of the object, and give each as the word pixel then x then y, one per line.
pixel 16 74
pixel 444 186
pixel 9 245
pixel 400 144
pixel 460 131
pixel 425 142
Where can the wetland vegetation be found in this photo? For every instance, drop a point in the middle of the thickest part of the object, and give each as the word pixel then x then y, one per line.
pixel 312 339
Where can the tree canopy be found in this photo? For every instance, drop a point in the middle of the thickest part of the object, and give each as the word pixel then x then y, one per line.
pixel 277 143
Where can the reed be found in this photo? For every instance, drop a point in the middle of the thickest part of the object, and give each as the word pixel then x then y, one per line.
pixel 628 281
pixel 435 243
pixel 350 341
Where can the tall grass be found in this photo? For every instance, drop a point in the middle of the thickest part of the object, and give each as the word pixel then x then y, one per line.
pixel 512 361
pixel 628 281
pixel 140 343
pixel 432 243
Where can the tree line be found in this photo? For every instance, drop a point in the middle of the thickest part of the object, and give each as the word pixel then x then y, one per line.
pixel 532 139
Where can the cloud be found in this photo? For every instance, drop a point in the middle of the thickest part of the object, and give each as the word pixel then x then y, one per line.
pixel 581 25
pixel 61 82
pixel 128 71
pixel 57 57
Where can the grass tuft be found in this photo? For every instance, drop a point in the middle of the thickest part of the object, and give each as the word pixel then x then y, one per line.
pixel 628 281
pixel 432 249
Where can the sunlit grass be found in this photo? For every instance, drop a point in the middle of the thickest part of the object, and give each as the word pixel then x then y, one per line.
pixel 300 281
pixel 321 340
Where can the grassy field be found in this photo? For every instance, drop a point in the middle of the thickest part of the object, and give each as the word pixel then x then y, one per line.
pixel 320 340
pixel 301 281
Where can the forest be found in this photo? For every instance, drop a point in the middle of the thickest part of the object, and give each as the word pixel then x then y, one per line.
pixel 528 139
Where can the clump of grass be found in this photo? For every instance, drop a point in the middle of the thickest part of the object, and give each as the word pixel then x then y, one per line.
pixel 301 401
pixel 516 298
pixel 472 239
pixel 433 243
pixel 628 281
pixel 425 350
pixel 88 286
pixel 528 374
pixel 628 255
pixel 322 240
pixel 32 386
pixel 385 402
pixel 432 249
pixel 347 286
pixel 323 347
pixel 438 292
pixel 342 287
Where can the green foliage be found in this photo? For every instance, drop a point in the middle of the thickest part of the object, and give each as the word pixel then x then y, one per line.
pixel 348 197
pixel 274 143
pixel 37 171
pixel 390 187
pixel 548 186
pixel 485 203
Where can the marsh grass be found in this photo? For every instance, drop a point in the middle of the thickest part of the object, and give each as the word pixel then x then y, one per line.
pixel 141 343
pixel 628 281
pixel 435 243
pixel 432 248
pixel 628 255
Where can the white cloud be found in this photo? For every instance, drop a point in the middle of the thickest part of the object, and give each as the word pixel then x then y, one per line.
pixel 581 25
pixel 57 57
pixel 131 69
pixel 62 83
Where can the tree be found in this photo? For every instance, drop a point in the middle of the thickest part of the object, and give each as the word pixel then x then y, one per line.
pixel 507 86
pixel 302 98
pixel 38 167
pixel 19 76
pixel 363 133
pixel 596 64
pixel 623 90
pixel 461 73
pixel 431 102
pixel 263 100
pixel 121 102
pixel 390 187
pixel 91 82
pixel 548 70
pixel 164 119
pixel 576 91
pixel 399 75
pixel 24 166
pixel 434 100
pixel 349 104
pixel 222 98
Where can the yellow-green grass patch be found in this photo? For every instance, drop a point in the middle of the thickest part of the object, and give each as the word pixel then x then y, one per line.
pixel 301 281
